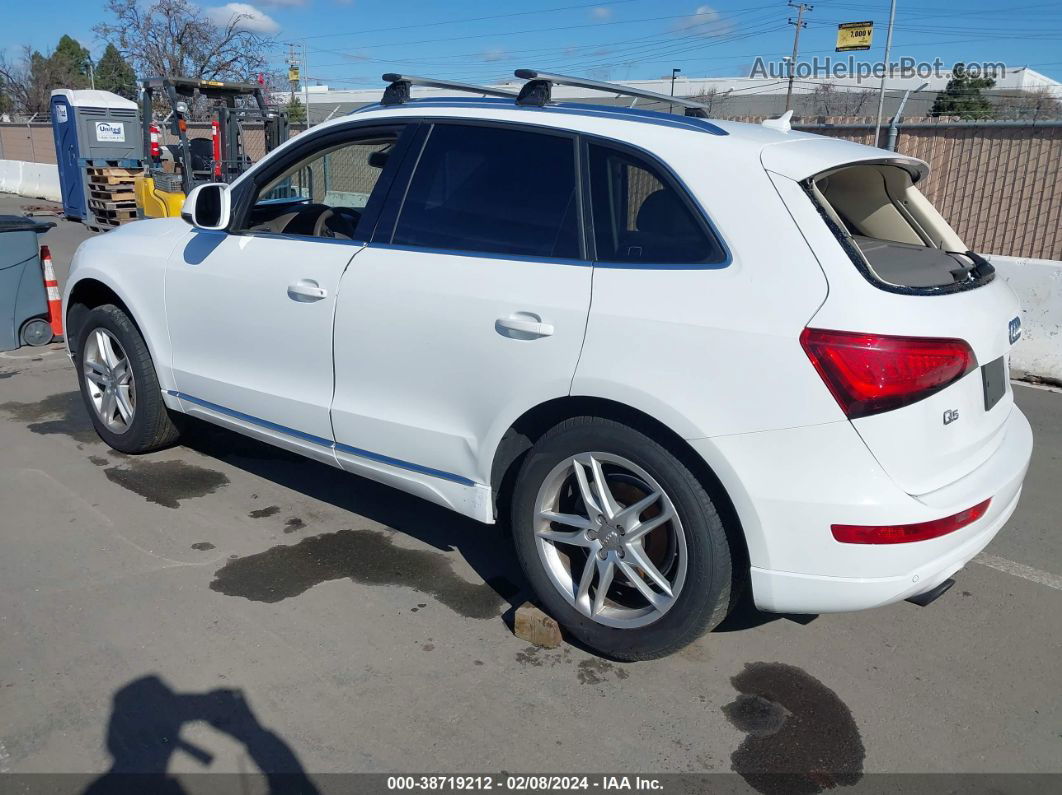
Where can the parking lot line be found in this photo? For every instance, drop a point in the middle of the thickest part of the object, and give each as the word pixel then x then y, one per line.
pixel 1020 570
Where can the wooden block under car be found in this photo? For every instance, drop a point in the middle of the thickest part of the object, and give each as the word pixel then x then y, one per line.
pixel 534 626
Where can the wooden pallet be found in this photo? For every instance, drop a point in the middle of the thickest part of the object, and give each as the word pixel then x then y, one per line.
pixel 114 212
pixel 112 171
pixel 116 193
pixel 111 176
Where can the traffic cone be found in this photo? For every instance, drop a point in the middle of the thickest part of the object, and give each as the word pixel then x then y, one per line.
pixel 55 300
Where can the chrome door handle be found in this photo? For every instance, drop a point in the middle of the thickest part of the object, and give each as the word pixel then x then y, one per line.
pixel 523 325
pixel 306 290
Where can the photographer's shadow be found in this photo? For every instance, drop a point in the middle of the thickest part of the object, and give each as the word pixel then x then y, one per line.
pixel 143 735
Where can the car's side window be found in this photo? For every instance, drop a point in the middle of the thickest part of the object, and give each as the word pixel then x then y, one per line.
pixel 640 216
pixel 324 193
pixel 493 190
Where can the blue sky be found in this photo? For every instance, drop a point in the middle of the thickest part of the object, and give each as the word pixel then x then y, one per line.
pixel 351 42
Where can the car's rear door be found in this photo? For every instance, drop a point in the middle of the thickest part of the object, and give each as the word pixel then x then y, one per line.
pixel 250 311
pixel 468 307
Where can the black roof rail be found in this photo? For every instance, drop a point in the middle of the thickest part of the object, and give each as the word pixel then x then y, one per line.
pixel 538 88
pixel 398 90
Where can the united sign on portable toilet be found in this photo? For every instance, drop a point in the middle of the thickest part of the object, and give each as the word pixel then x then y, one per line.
pixel 89 127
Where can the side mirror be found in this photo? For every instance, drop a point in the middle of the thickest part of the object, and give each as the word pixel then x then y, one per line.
pixel 208 207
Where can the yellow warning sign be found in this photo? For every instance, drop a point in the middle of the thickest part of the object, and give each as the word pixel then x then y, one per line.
pixel 293 73
pixel 854 36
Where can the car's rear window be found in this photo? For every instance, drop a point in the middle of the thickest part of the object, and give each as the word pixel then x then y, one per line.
pixel 640 217
pixel 892 231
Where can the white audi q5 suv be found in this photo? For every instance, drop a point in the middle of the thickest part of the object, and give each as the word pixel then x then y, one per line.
pixel 680 358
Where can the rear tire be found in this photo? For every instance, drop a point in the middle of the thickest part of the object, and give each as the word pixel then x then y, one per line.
pixel 684 560
pixel 119 385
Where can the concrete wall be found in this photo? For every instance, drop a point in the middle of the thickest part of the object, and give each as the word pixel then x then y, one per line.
pixel 32 180
pixel 1038 284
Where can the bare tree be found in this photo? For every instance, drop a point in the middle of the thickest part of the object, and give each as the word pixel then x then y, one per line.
pixel 828 100
pixel 174 38
pixel 712 99
pixel 1027 105
pixel 27 82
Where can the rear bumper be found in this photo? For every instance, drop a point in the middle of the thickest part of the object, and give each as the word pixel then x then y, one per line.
pixel 784 592
pixel 790 486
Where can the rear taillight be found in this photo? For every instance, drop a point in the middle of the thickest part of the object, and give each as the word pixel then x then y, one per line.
pixel 871 373
pixel 903 533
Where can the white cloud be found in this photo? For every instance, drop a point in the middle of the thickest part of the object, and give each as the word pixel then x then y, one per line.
pixel 601 13
pixel 705 21
pixel 496 54
pixel 248 18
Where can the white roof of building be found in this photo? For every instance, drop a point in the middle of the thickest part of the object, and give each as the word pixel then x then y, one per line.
pixel 1015 78
pixel 88 98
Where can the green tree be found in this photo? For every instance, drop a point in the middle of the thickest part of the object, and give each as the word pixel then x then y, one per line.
pixel 69 64
pixel 296 111
pixel 113 73
pixel 962 96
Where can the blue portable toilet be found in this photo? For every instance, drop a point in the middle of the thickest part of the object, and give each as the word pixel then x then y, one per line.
pixel 90 125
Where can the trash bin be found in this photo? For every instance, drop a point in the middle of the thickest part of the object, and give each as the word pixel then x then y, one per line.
pixel 23 299
pixel 92 128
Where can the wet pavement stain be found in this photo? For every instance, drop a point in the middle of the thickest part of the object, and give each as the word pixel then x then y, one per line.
pixel 166 482
pixel 202 546
pixel 364 556
pixel 596 671
pixel 12 374
pixel 294 524
pixel 801 739
pixel 537 657
pixel 99 460
pixel 262 513
pixel 63 413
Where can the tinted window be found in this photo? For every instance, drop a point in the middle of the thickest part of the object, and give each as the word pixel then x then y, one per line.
pixel 493 190
pixel 640 217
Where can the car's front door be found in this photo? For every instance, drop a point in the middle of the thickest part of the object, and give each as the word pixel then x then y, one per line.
pixel 469 305
pixel 250 311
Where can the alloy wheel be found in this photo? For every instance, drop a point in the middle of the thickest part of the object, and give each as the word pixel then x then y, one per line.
pixel 610 539
pixel 109 380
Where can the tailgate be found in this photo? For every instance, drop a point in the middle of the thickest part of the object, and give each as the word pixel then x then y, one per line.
pixel 937 440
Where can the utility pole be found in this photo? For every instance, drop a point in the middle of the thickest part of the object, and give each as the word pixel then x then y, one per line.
pixel 798 23
pixel 293 71
pixel 306 82
pixel 671 108
pixel 885 72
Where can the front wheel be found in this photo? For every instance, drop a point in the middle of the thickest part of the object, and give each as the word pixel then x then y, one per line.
pixel 620 540
pixel 119 385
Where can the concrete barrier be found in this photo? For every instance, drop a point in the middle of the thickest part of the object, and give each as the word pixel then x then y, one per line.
pixel 32 180
pixel 1038 284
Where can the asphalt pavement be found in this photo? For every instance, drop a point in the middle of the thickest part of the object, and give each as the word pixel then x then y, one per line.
pixel 223 605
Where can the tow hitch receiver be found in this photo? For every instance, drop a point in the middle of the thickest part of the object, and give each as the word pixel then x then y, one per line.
pixel 928 597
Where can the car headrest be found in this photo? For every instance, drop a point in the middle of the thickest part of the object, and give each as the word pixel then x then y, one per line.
pixel 663 213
